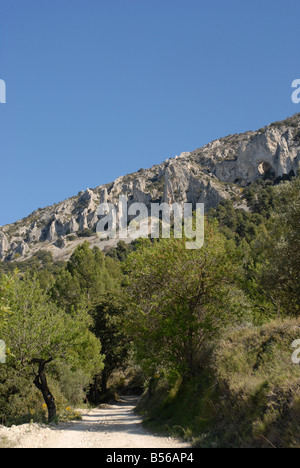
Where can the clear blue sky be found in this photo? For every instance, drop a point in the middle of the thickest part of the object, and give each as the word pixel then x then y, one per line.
pixel 100 88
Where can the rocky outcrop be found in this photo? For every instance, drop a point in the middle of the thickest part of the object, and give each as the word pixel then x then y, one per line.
pixel 34 233
pixel 22 249
pixel 271 152
pixel 72 226
pixel 4 245
pixel 207 175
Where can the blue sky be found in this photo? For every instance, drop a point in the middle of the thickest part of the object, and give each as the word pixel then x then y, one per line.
pixel 100 88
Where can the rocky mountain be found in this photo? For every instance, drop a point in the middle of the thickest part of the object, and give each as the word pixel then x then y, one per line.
pixel 217 171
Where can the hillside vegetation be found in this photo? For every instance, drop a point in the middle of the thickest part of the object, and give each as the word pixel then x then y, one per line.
pixel 246 395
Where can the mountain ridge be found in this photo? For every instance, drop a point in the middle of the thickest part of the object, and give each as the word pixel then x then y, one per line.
pixel 215 172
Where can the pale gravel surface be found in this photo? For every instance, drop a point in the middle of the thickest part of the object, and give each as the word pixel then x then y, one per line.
pixel 114 426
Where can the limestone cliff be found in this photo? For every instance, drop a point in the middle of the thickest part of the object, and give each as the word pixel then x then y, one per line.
pixel 207 175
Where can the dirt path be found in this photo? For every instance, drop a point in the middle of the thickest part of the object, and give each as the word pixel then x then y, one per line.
pixel 114 426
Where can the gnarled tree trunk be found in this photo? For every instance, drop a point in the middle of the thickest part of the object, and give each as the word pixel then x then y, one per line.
pixel 40 382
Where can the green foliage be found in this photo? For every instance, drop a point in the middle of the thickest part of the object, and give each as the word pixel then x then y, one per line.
pixel 20 401
pixel 86 278
pixel 182 408
pixel 109 323
pixel 239 224
pixel 93 281
pixel 71 237
pixel 279 251
pixel 41 261
pixel 122 250
pixel 37 328
pixel 271 230
pixel 33 327
pixel 247 395
pixel 86 233
pixel 179 299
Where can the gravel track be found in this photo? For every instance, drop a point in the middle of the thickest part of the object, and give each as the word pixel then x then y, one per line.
pixel 114 426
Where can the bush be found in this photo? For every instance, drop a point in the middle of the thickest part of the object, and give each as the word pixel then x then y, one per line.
pixel 86 233
pixel 71 237
pixel 20 401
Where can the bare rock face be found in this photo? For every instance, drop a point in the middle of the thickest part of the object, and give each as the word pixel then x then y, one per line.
pixel 22 249
pixel 72 226
pixel 4 245
pixel 34 233
pixel 103 195
pixel 270 152
pixel 207 175
pixel 51 230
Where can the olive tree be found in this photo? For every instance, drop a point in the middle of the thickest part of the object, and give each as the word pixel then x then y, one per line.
pixel 37 332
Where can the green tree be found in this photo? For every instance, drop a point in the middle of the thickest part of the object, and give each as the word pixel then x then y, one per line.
pixel 93 281
pixel 37 332
pixel 66 291
pixel 109 318
pixel 87 276
pixel 180 299
pixel 278 262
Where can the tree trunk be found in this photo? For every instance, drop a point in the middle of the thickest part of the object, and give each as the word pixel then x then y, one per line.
pixel 40 382
pixel 94 391
pixel 104 380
